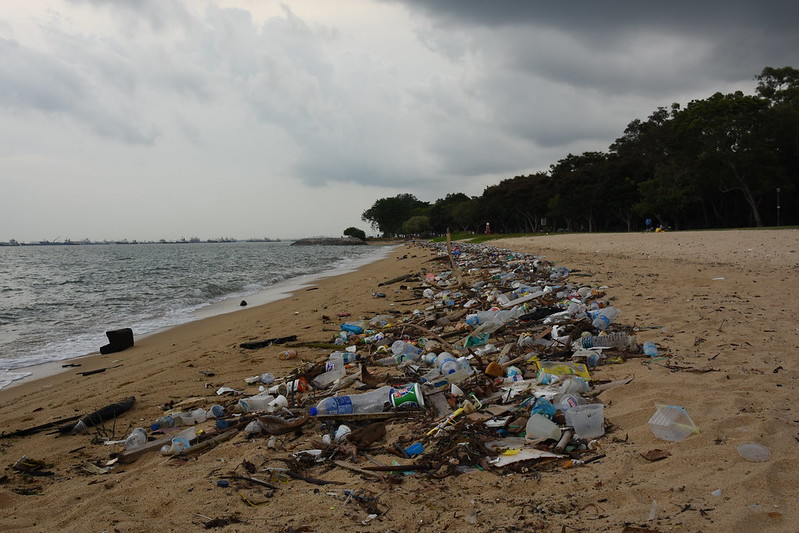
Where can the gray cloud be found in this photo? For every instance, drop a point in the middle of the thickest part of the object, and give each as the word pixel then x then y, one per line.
pixel 194 100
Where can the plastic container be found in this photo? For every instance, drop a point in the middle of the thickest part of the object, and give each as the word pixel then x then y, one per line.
pixel 565 402
pixel 368 402
pixel 344 358
pixel 574 385
pixel 136 438
pixel 407 349
pixel 587 420
pixel 334 369
pixel 672 423
pixel 180 442
pixel 447 364
pixel 650 349
pixel 754 452
pixel 216 411
pixel 541 427
pixel 252 404
pixel 407 397
pixel 604 317
pixel 611 340
pixel 190 418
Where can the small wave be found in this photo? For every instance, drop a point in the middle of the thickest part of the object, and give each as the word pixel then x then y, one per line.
pixel 7 378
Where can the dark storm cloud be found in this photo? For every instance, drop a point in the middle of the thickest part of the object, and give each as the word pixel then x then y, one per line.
pixel 742 34
pixel 566 73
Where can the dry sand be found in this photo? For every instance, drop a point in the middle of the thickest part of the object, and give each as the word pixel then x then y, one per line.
pixel 722 305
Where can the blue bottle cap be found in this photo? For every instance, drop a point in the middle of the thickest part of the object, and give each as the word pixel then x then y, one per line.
pixel 313 411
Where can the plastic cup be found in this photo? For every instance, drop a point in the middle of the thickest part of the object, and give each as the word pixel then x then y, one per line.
pixel 541 427
pixel 587 420
pixel 407 397
pixel 277 404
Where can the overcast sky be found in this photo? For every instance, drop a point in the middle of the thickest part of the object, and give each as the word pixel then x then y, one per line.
pixel 149 119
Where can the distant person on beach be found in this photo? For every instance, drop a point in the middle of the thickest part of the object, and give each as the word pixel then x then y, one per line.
pixel 488 228
pixel 648 224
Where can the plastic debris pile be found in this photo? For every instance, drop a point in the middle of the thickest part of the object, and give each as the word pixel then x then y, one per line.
pixel 486 360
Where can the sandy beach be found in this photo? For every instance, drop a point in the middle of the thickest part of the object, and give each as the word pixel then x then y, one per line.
pixel 721 305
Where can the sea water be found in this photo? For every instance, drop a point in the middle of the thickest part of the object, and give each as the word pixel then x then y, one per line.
pixel 57 302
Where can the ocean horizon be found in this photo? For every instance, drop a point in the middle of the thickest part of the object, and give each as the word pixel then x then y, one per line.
pixel 57 302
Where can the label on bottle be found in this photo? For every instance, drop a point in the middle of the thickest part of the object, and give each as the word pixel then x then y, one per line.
pixel 343 405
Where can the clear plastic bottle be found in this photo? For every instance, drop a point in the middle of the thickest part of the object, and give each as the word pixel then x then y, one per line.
pixel 190 418
pixel 650 349
pixel 604 317
pixel 406 348
pixel 344 358
pixel 180 442
pixel 574 384
pixel 368 402
pixel 617 339
pixel 446 363
pixel 136 438
pixel 258 402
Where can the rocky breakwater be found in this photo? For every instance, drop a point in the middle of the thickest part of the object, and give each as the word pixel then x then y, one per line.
pixel 329 241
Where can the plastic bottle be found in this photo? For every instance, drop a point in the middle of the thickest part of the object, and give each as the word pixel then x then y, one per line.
pixel 406 348
pixel 650 349
pixel 136 438
pixel 180 442
pixel 604 317
pixel 618 339
pixel 344 358
pixel 368 402
pixel 216 411
pixel 574 384
pixel 196 416
pixel 254 403
pixel 447 364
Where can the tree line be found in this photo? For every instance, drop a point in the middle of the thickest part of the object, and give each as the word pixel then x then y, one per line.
pixel 730 160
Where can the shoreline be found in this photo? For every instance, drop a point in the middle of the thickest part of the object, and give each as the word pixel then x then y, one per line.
pixel 279 291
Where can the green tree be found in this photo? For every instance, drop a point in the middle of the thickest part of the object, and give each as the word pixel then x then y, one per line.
pixel 387 215
pixel 416 225
pixel 355 232
pixel 732 145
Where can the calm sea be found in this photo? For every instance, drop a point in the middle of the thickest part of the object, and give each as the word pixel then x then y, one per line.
pixel 57 302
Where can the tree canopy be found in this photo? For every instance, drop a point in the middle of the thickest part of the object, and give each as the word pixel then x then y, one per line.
pixel 729 160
